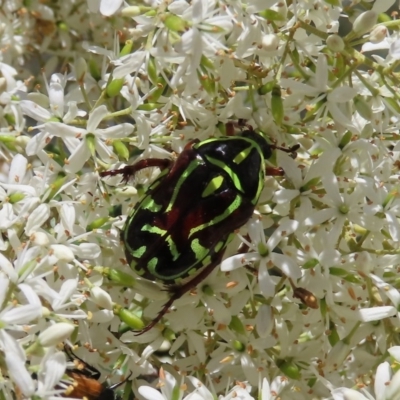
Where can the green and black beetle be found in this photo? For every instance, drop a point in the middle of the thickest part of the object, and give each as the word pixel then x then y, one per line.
pixel 178 232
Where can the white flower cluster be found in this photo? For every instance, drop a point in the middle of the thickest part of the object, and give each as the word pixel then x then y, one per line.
pixel 305 304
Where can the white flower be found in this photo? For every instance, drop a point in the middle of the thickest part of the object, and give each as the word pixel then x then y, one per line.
pixel 170 388
pixel 342 207
pixel 266 255
pixel 55 334
pixel 333 101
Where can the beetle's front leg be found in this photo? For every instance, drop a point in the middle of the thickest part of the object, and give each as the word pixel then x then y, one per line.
pixel 277 171
pixel 177 291
pixel 274 171
pixel 131 170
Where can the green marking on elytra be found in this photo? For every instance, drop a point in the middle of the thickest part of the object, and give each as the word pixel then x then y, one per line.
pixel 191 167
pixel 152 264
pixel 138 252
pixel 219 246
pixel 206 260
pixel 224 167
pixel 259 187
pixel 198 249
pixel 172 248
pixel 149 204
pixel 192 271
pixel 243 155
pixel 232 207
pixel 213 186
pixel 153 229
pixel 140 271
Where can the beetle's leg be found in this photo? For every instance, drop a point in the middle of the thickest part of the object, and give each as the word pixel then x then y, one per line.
pixel 274 171
pixel 190 144
pixel 131 170
pixel 291 150
pixel 178 291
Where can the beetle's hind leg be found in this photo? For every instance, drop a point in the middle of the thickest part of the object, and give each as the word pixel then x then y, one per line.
pixel 130 170
pixel 177 291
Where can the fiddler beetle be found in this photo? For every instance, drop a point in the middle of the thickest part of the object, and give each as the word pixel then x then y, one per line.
pixel 178 232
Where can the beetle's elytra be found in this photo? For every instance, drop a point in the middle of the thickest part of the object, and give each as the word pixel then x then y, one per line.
pixel 178 232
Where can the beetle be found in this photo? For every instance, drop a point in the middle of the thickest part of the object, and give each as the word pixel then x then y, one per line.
pixel 178 232
pixel 86 384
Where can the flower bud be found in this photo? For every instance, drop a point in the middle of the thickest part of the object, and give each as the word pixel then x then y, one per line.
pixel 8 140
pixel 91 143
pixel 130 319
pixel 378 34
pixel 94 70
pixel 97 223
pixel 206 62
pixel 152 70
pixel 39 239
pixel 120 149
pixel 333 336
pixel 127 48
pixel 346 138
pixel 238 346
pixel 133 11
pixel 363 108
pixel 335 43
pixel 56 185
pixel 364 22
pixel 266 88
pixel 16 197
pixel 270 42
pixel 62 252
pixel 119 277
pixel 207 82
pixel 310 264
pixel 114 87
pixel 101 298
pixel 277 105
pixel 150 106
pixel 55 334
pixel 22 141
pixel 237 325
pixel 81 68
pixel 289 368
pixel 175 23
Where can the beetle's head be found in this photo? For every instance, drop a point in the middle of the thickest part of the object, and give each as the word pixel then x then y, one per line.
pixel 262 143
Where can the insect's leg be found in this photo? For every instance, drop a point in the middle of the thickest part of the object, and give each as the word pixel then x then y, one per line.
pixel 274 171
pixel 116 385
pixel 130 170
pixel 178 291
pixel 291 150
pixel 84 368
